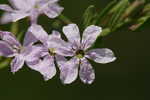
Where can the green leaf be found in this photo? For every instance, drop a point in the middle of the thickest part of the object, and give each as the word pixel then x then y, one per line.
pixel 105 11
pixel 64 19
pixel 20 36
pixel 132 7
pixel 118 10
pixel 140 22
pixel 57 24
pixel 14 28
pixel 120 4
pixel 122 23
pixel 146 8
pixel 4 63
pixel 89 16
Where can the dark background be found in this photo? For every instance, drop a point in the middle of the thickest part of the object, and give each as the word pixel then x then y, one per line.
pixel 125 79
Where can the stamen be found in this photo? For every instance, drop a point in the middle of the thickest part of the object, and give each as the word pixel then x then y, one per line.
pixel 80 54
pixel 52 51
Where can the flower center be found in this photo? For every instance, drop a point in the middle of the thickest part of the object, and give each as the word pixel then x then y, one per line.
pixel 80 53
pixel 52 51
pixel 18 49
pixel 36 6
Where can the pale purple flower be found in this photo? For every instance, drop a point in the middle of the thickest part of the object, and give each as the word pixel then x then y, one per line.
pixel 80 49
pixel 10 47
pixel 30 8
pixel 54 47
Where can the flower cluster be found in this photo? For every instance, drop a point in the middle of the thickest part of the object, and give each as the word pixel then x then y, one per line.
pixel 43 52
pixel 30 8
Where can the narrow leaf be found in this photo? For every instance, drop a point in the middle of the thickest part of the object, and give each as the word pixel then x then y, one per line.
pixel 105 11
pixel 146 8
pixel 140 22
pixel 116 18
pixel 64 19
pixel 15 28
pixel 5 63
pixel 89 16
pixel 136 4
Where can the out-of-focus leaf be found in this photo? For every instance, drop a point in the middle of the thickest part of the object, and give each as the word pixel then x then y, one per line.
pixel 122 23
pixel 15 28
pixel 119 9
pixel 140 22
pixel 20 35
pixel 118 5
pixel 105 11
pixel 5 63
pixel 132 7
pixel 105 32
pixel 89 16
pixel 146 8
pixel 57 24
pixel 64 19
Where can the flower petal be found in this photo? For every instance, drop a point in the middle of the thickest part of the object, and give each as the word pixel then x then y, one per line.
pixel 45 2
pixel 5 49
pixel 29 39
pixel 17 15
pixel 72 33
pixel 60 60
pixel 53 10
pixel 34 16
pixel 39 32
pixel 9 38
pixel 24 5
pixel 32 53
pixel 17 63
pixel 55 34
pixel 101 55
pixel 6 7
pixel 69 71
pixel 86 73
pixel 61 47
pixel 46 67
pixel 90 35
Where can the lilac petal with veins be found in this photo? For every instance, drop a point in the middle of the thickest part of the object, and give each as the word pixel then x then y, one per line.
pixel 53 10
pixel 17 63
pixel 86 73
pixel 69 71
pixel 46 67
pixel 5 49
pixel 101 55
pixel 6 7
pixel 90 35
pixel 72 33
pixel 39 33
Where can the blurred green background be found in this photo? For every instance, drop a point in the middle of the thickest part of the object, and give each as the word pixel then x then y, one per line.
pixel 125 79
